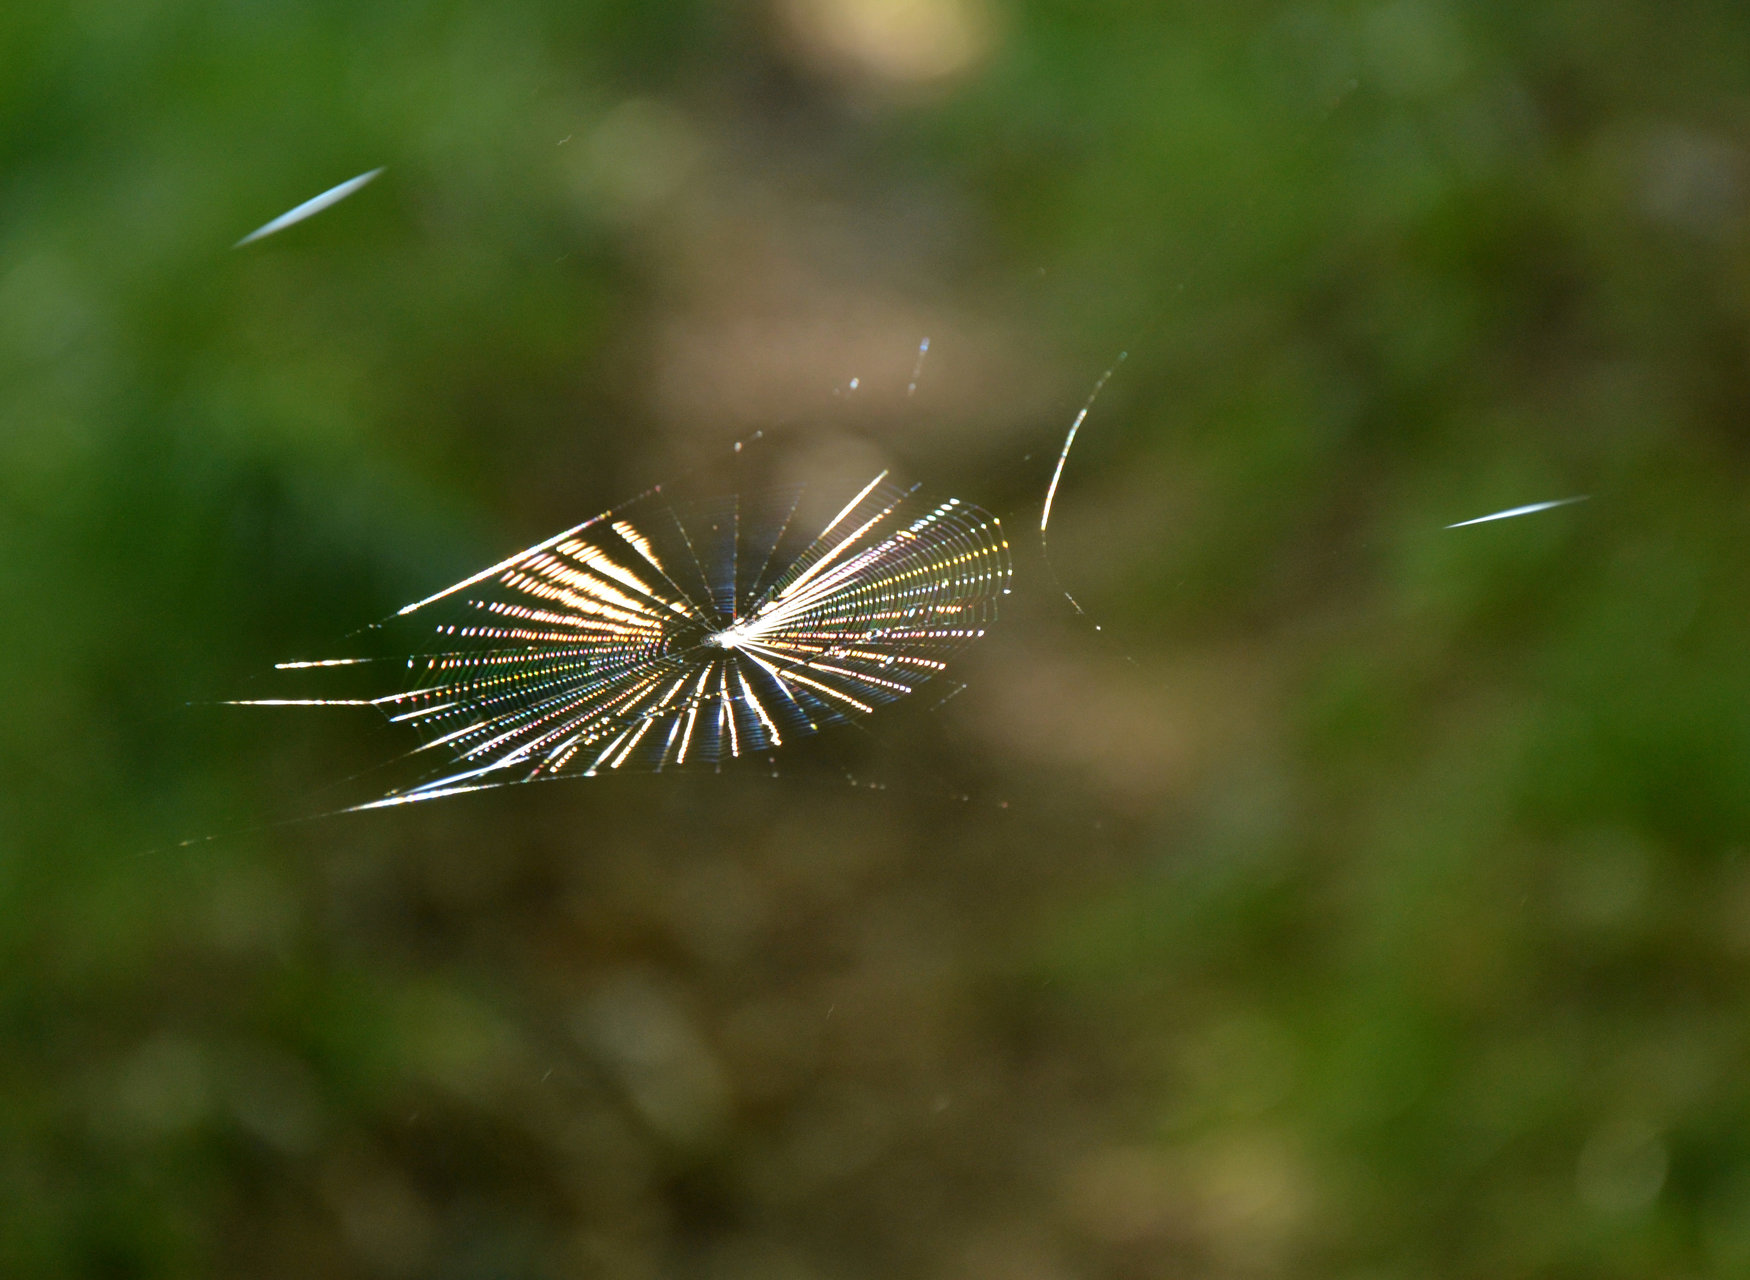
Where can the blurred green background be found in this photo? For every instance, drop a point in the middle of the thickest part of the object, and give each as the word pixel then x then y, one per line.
pixel 1365 899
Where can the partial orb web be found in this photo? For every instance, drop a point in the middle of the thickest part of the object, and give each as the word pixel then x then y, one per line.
pixel 664 635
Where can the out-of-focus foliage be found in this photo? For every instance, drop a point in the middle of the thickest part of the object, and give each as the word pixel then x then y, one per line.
pixel 1365 899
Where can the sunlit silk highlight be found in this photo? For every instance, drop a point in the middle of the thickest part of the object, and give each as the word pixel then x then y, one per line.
pixel 1530 509
pixel 314 205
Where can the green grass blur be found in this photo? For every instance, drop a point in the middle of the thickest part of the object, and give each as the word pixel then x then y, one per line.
pixel 1365 899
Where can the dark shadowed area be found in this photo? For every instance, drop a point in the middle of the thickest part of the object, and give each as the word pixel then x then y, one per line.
pixel 1364 898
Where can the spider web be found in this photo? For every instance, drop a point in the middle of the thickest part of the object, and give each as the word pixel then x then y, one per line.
pixel 668 634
